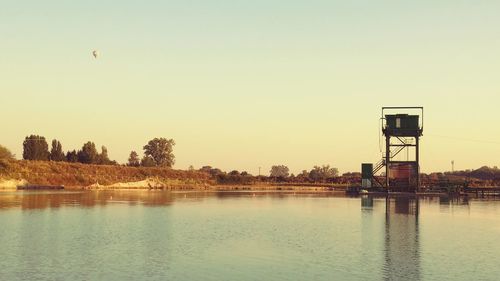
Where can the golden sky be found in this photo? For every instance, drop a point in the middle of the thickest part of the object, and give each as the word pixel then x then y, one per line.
pixel 248 84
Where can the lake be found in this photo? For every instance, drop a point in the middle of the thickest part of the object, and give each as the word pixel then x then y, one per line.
pixel 159 235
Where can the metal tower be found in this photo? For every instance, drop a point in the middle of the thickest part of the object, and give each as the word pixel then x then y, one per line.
pixel 402 133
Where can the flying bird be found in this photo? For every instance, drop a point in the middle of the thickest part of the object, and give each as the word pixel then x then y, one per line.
pixel 95 53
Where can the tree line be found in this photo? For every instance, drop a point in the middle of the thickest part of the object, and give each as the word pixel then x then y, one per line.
pixel 233 177
pixel 278 173
pixel 322 173
pixel 35 147
pixel 157 152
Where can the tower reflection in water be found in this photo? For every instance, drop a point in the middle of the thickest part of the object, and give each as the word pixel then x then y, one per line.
pixel 401 243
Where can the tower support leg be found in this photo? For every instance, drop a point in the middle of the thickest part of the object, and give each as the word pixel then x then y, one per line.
pixel 418 163
pixel 387 160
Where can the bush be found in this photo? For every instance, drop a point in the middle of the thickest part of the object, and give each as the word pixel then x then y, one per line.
pixel 5 153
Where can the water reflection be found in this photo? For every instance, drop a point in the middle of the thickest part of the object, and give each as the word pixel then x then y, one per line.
pixel 401 245
pixel 42 200
pixel 55 199
pixel 447 204
pixel 366 203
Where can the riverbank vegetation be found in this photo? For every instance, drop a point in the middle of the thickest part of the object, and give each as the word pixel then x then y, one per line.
pixel 88 167
pixel 80 175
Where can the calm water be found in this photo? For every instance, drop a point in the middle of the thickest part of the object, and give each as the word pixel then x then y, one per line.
pixel 144 235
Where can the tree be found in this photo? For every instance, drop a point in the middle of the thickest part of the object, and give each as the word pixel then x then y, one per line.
pixel 72 156
pixel 302 177
pixel 148 161
pixel 206 169
pixel 160 150
pixel 212 171
pixel 234 173
pixel 103 158
pixel 279 171
pixel 35 148
pixel 5 157
pixel 314 174
pixel 326 172
pixel 133 159
pixel 323 173
pixel 88 154
pixel 56 153
pixel 5 153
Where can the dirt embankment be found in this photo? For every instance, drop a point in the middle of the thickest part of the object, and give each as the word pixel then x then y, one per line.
pixel 76 175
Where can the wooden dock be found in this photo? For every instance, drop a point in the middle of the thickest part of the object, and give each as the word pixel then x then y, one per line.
pixel 482 191
pixel 437 191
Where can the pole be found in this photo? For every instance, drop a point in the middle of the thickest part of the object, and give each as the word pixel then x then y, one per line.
pixel 417 159
pixel 387 159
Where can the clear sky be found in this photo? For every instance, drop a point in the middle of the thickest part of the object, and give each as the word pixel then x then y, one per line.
pixel 243 84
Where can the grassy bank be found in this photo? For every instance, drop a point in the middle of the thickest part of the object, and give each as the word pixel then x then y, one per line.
pixel 76 175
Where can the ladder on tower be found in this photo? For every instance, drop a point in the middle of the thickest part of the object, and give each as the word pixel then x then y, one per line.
pixel 380 164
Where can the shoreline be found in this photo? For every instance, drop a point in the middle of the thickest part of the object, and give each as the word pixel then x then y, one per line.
pixel 260 190
pixel 124 186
